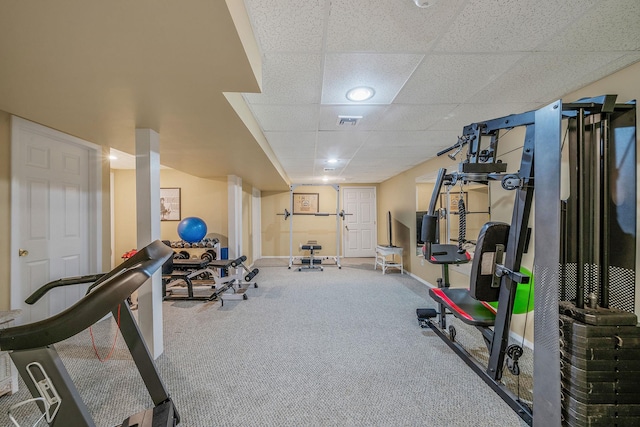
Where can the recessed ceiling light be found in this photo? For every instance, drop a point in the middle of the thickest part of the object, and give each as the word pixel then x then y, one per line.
pixel 359 94
pixel 332 161
pixel 112 157
pixel 325 179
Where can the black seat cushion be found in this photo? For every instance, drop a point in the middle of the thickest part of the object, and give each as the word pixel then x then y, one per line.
pixel 484 260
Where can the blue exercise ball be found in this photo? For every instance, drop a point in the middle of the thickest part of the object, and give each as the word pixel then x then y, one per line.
pixel 192 229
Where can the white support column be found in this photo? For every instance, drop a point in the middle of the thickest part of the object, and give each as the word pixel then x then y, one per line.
pixel 256 226
pixel 148 230
pixel 234 199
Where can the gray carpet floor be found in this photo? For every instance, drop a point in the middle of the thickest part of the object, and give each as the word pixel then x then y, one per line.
pixel 341 347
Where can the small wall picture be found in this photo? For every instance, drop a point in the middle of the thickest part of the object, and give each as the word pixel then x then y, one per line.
pixel 305 203
pixel 453 201
pixel 170 204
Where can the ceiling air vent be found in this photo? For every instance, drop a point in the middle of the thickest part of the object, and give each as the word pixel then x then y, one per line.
pixel 349 120
pixel 329 169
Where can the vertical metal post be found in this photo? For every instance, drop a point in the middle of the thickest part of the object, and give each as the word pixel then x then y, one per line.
pixel 546 363
pixel 291 188
pixel 581 208
pixel 338 225
pixel 513 258
pixel 140 354
pixel 605 212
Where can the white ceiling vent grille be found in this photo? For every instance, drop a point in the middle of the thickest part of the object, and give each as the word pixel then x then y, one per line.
pixel 329 169
pixel 349 120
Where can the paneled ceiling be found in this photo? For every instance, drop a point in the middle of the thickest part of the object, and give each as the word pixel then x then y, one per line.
pixel 255 88
pixel 434 70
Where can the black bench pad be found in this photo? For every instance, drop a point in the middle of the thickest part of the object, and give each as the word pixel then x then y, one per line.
pixel 464 306
pixel 448 254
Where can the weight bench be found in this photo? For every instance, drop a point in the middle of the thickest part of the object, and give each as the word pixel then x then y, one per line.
pixel 311 263
pixel 180 279
pixel 232 286
pixel 470 305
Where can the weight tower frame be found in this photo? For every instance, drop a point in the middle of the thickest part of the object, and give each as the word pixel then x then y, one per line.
pixel 335 187
pixel 543 138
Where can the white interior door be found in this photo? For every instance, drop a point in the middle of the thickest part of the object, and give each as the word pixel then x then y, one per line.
pixel 51 216
pixel 360 231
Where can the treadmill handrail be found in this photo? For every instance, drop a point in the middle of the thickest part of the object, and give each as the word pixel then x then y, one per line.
pixel 113 289
pixel 77 280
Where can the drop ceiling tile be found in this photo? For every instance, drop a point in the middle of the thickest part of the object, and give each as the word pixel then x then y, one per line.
pixel 364 162
pixel 289 78
pixel 453 78
pixel 294 145
pixel 284 140
pixel 608 26
pixel 287 25
pixel 509 26
pixel 385 73
pixel 396 140
pixel 370 114
pixel 286 117
pixel 339 145
pixel 386 26
pixel 296 152
pixel 543 77
pixel 412 117
pixel 297 166
pixel 408 153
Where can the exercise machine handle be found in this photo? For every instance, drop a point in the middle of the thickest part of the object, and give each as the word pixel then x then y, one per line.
pixel 436 191
pixel 42 290
pixel 108 292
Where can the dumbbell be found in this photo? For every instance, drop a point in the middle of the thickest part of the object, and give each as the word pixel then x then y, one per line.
pixel 181 255
pixel 209 255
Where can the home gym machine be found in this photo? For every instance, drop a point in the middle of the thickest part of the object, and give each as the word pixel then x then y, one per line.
pixel 590 237
pixel 32 350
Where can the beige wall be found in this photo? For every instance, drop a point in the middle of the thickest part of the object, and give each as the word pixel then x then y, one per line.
pixel 274 229
pixel 5 210
pixel 203 198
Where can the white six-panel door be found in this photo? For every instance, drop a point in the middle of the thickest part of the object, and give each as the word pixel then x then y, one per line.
pixel 359 226
pixel 51 219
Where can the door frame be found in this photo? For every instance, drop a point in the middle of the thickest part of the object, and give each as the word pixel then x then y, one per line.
pixel 375 229
pixel 20 126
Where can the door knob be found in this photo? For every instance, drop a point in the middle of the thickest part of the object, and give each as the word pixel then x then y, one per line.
pixel 23 252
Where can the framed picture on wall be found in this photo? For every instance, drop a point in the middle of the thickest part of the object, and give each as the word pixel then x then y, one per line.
pixel 305 203
pixel 170 204
pixel 453 201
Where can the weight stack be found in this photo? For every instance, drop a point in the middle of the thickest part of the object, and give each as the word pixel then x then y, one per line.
pixel 600 367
